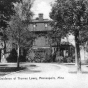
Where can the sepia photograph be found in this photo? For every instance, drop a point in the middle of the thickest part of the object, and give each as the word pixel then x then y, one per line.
pixel 43 43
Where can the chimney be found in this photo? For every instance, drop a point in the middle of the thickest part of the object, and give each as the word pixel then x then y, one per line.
pixel 41 17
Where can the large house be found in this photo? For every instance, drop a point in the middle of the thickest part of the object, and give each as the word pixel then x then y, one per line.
pixel 42 47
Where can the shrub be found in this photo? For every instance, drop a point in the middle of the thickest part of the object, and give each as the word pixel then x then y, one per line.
pixel 13 56
pixel 59 58
pixel 22 58
pixel 68 59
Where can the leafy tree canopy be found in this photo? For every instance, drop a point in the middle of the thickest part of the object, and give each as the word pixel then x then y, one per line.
pixel 69 15
pixel 6 10
pixel 18 29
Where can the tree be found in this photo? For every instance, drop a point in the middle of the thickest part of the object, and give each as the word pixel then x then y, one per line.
pixel 71 16
pixel 54 40
pixel 18 29
pixel 6 11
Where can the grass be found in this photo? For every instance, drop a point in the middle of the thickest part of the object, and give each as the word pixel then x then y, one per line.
pixel 7 70
pixel 11 69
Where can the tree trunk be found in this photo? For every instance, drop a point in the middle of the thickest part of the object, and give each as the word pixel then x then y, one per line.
pixel 54 56
pixel 75 54
pixel 18 55
pixel 4 47
pixel 55 53
pixel 77 51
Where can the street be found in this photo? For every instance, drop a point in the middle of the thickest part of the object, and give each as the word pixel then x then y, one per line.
pixel 44 75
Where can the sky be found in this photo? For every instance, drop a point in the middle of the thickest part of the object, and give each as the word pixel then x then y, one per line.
pixel 42 6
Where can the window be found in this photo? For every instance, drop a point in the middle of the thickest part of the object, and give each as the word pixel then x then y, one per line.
pixel 46 25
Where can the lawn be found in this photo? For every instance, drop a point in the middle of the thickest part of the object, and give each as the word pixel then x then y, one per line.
pixel 6 69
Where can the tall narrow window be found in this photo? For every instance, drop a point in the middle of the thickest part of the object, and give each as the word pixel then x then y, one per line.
pixel 46 25
pixel 34 27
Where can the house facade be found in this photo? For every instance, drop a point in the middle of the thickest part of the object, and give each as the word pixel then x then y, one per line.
pixel 43 49
pixel 41 45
